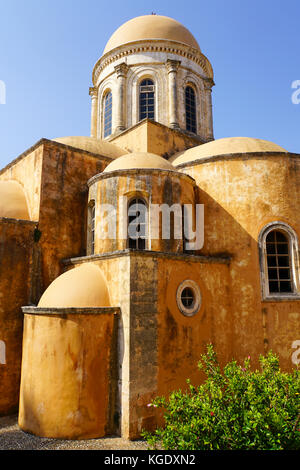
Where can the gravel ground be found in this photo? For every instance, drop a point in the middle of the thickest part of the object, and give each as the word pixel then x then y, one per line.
pixel 13 438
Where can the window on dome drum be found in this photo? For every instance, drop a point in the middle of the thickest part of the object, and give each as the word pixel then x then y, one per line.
pixel 190 110
pixel 147 96
pixel 137 224
pixel 107 115
pixel 279 262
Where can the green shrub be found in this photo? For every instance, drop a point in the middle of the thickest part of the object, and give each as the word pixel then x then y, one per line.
pixel 237 408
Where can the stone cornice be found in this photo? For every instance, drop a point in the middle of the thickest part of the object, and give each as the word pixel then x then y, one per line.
pixel 154 45
pixel 236 156
pixel 218 259
pixel 52 143
pixel 137 171
pixel 33 310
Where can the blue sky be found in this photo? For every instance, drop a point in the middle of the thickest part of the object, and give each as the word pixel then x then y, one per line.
pixel 48 49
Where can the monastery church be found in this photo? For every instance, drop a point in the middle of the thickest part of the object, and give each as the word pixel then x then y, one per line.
pixel 94 327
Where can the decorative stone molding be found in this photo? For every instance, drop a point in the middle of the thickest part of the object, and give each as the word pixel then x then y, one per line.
pixel 121 70
pixel 171 47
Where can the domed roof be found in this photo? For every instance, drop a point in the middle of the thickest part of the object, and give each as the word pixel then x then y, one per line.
pixel 13 202
pixel 90 144
pixel 228 145
pixel 151 27
pixel 83 286
pixel 139 160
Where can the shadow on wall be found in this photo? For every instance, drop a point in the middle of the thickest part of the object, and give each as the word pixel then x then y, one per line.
pixel 257 325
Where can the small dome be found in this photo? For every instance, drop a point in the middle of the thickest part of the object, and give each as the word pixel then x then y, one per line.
pixel 151 27
pixel 139 160
pixel 90 144
pixel 81 287
pixel 13 204
pixel 228 145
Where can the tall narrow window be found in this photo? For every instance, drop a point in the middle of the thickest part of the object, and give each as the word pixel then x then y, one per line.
pixel 91 228
pixel 93 213
pixel 279 262
pixel 2 352
pixel 107 114
pixel 147 92
pixel 137 224
pixel 190 110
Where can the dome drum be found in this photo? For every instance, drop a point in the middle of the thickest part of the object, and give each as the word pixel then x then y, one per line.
pixel 146 178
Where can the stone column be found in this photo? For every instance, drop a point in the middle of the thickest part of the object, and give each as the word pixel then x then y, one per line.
pixel 121 71
pixel 94 114
pixel 172 67
pixel 208 84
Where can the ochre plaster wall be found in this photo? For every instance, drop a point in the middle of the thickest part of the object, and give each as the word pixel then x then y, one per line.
pixel 27 170
pixel 153 137
pixel 241 195
pixel 166 345
pixel 63 213
pixel 67 371
pixel 16 255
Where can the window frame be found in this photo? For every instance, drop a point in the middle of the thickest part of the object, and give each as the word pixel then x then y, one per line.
pixel 139 99
pixel 104 98
pixel 134 199
pixel 294 262
pixel 91 227
pixel 195 307
pixel 193 88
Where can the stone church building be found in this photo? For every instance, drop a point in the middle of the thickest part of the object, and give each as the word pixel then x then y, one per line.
pixel 93 327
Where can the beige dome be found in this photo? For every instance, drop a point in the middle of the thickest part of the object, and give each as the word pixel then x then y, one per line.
pixel 139 160
pixel 90 144
pixel 151 27
pixel 13 203
pixel 228 145
pixel 82 287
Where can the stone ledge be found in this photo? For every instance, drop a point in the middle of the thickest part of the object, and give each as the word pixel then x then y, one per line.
pixel 32 310
pixel 52 143
pixel 9 220
pixel 138 171
pixel 236 156
pixel 282 298
pixel 147 253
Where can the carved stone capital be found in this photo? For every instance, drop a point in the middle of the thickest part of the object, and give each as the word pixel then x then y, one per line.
pixel 208 83
pixel 172 65
pixel 121 69
pixel 93 92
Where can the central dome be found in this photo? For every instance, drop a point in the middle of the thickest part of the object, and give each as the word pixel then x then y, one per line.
pixel 151 27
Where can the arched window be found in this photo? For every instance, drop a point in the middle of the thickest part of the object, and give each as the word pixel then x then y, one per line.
pixel 93 212
pixel 137 224
pixel 190 110
pixel 2 352
pixel 279 260
pixel 147 96
pixel 107 114
pixel 91 228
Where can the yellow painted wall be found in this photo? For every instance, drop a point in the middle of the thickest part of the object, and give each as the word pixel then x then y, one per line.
pixel 241 195
pixel 67 375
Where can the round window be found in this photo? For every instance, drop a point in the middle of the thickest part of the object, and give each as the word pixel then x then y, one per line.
pixel 189 298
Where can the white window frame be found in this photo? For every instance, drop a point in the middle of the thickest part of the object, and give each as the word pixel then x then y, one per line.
pixel 294 262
